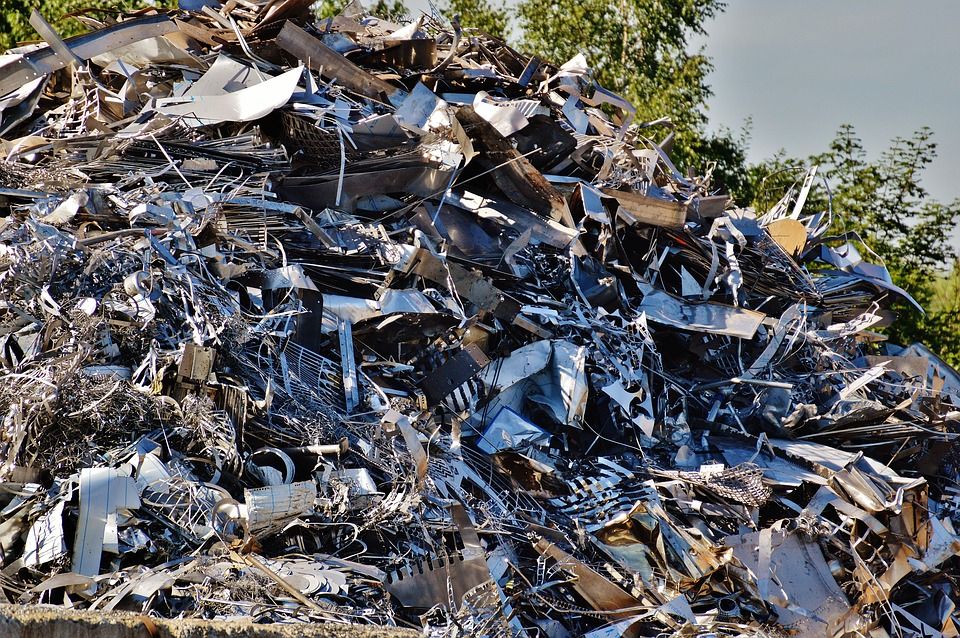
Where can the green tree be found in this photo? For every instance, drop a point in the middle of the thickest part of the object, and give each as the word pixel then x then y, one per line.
pixel 482 15
pixel 393 11
pixel 943 317
pixel 15 16
pixel 885 203
pixel 641 49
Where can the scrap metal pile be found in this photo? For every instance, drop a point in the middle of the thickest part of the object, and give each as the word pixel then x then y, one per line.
pixel 351 321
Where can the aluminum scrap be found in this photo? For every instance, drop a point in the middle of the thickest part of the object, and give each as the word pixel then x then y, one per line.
pixel 382 323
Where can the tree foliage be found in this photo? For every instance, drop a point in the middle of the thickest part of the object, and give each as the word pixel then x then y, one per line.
pixel 395 10
pixel 15 16
pixel 885 203
pixel 638 48
pixel 482 15
pixel 642 50
pixel 940 327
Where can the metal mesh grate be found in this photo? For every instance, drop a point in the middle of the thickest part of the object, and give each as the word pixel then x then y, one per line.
pixel 743 484
pixel 318 144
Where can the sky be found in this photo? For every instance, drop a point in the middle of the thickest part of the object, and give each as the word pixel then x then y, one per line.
pixel 800 69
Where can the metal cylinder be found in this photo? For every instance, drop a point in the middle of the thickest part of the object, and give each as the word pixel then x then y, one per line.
pixel 728 608
pixel 271 466
pixel 138 283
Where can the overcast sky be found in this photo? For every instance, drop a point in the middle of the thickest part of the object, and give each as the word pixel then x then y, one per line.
pixel 802 68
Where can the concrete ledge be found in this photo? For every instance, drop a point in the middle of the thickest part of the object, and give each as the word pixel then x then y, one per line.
pixel 52 622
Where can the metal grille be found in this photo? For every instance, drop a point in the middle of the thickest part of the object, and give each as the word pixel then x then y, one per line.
pixel 743 484
pixel 318 144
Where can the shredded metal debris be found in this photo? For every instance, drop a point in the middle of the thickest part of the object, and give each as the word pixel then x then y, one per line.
pixel 389 324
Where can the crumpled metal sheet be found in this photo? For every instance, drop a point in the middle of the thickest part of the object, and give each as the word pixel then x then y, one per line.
pixel 297 336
